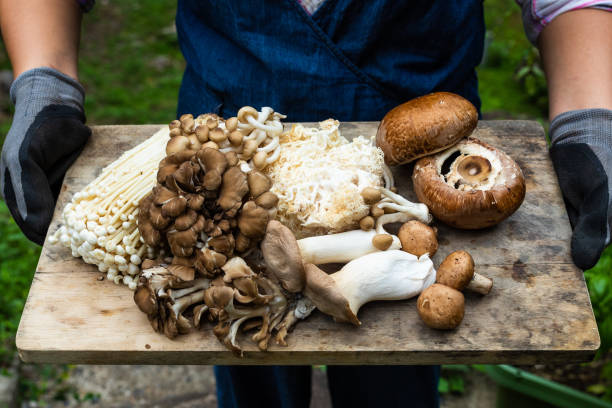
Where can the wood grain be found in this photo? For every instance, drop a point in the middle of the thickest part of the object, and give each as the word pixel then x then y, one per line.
pixel 538 310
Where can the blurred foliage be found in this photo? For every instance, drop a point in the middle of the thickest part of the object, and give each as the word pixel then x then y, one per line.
pixel 599 281
pixel 17 264
pixel 452 379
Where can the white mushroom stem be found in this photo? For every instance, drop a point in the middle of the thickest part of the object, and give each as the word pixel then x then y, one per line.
pixel 388 275
pixel 340 248
pixel 417 211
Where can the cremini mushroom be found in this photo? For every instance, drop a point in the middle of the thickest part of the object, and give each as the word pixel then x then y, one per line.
pixel 425 125
pixel 441 307
pixel 457 271
pixel 418 238
pixel 471 185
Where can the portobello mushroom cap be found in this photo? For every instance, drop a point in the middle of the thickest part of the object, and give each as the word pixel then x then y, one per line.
pixel 425 125
pixel 472 185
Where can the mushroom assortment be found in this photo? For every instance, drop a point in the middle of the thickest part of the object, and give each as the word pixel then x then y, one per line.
pixel 233 226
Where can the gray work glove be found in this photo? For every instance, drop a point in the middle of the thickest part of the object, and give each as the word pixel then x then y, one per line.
pixel 46 136
pixel 582 155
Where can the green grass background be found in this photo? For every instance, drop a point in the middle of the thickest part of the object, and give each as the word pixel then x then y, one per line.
pixel 131 68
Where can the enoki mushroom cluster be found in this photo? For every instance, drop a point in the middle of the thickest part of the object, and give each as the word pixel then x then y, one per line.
pixel 99 224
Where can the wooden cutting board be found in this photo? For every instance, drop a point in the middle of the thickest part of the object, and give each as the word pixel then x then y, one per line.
pixel 538 311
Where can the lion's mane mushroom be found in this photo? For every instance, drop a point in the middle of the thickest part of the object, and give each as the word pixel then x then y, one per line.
pixel 425 125
pixel 471 185
pixel 388 275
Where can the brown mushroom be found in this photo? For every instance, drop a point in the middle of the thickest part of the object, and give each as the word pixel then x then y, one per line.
pixel 209 262
pixel 253 220
pixel 177 144
pixel 267 200
pixel 233 188
pixel 418 238
pixel 282 255
pixel 322 290
pixel 425 125
pixel 441 307
pixel 259 183
pixel 457 271
pixel 470 186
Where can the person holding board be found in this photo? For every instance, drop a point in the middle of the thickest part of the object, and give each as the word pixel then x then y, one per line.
pixel 313 59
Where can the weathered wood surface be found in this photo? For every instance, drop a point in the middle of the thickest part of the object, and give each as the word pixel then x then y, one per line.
pixel 538 310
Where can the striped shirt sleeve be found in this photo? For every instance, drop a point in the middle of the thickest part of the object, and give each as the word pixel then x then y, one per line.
pixel 538 13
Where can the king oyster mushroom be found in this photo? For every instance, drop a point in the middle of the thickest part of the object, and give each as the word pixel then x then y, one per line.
pixel 472 185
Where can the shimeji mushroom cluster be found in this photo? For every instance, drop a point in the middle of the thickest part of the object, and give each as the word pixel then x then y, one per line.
pixel 99 224
pixel 253 135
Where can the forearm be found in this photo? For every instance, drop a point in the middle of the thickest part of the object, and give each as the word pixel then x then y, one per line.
pixel 576 49
pixel 41 33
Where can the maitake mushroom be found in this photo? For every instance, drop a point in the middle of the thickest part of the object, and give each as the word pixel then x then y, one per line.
pixel 202 211
pixel 471 185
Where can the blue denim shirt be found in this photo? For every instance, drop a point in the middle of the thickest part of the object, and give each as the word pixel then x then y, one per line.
pixel 351 60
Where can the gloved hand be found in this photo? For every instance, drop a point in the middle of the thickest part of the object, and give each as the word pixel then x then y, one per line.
pixel 582 155
pixel 46 137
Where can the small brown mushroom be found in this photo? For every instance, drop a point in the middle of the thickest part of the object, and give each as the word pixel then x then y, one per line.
pixel 457 271
pixel 253 220
pixel 371 195
pixel 382 241
pixel 217 135
pixel 267 200
pixel 418 238
pixel 259 183
pixel 186 273
pixel 231 124
pixel 177 144
pixel 235 138
pixel 441 307
pixel 366 223
pixel 233 188
pixel 201 133
pixel 209 262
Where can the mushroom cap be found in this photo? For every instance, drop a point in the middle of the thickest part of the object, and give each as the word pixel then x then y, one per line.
pixel 425 125
pixel 441 307
pixel 418 238
pixel 470 202
pixel 253 220
pixel 324 293
pixel 282 255
pixel 456 270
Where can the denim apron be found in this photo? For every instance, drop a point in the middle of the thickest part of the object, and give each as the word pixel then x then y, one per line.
pixel 351 60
